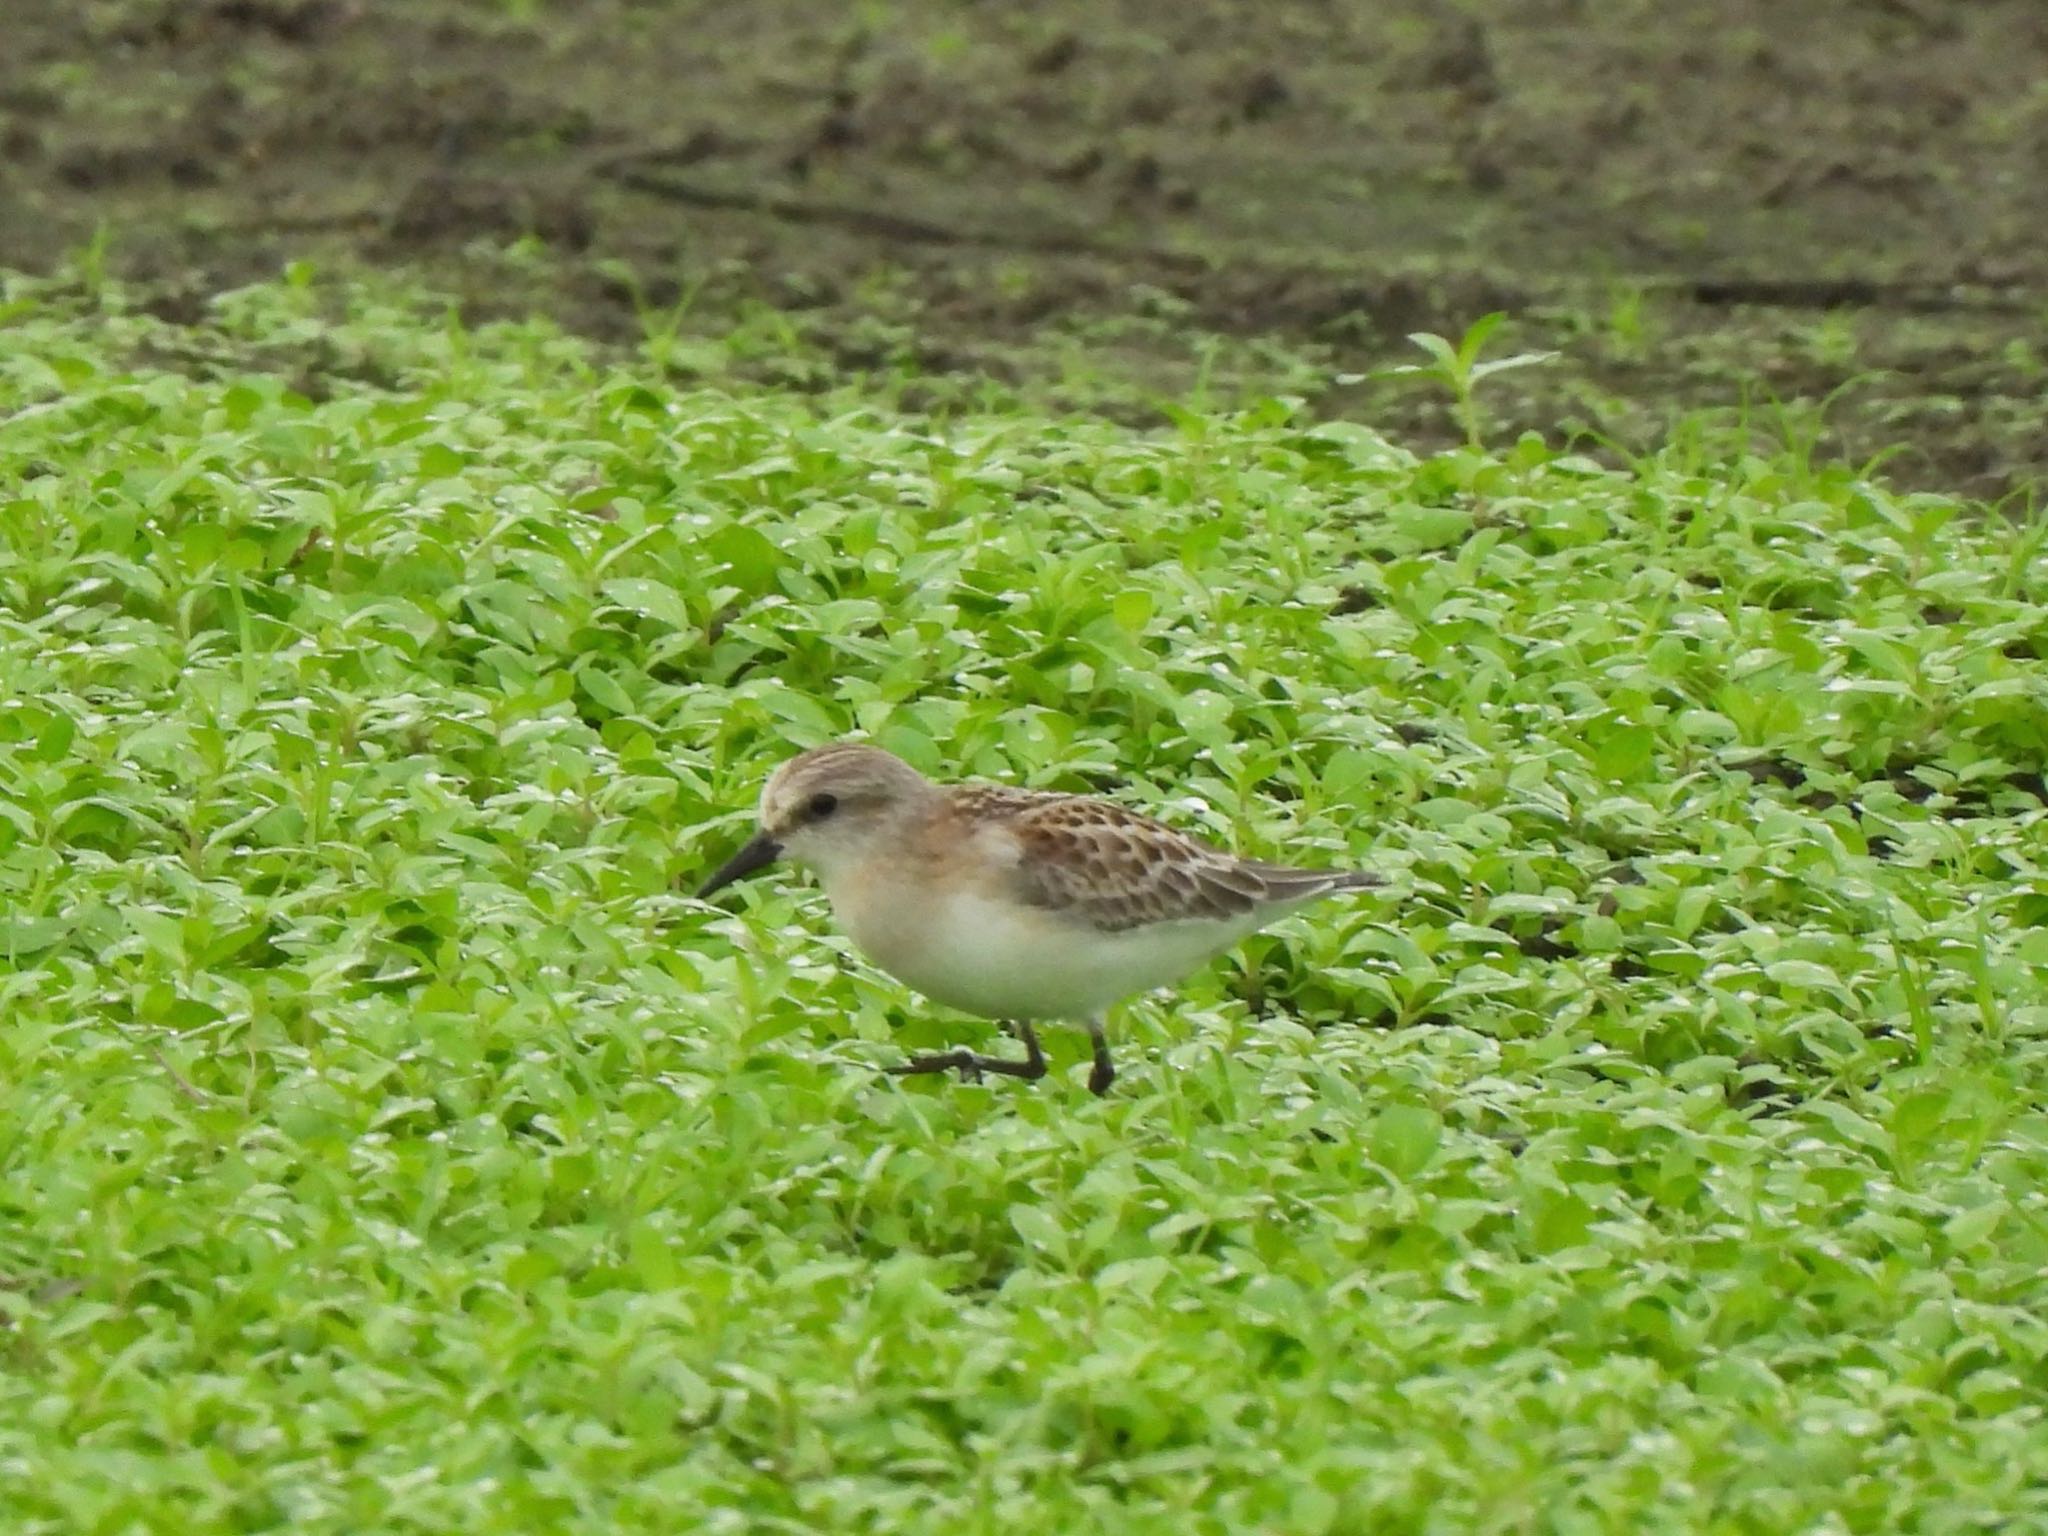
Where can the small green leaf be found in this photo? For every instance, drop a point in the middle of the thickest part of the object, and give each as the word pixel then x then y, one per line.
pixel 1974 1227
pixel 1041 1230
pixel 1476 335
pixel 651 598
pixel 747 555
pixel 1132 608
pixel 1405 1138
pixel 1438 348
pixel 1803 973
pixel 31 935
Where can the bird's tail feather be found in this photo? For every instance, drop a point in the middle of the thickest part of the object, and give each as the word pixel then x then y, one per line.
pixel 1288 884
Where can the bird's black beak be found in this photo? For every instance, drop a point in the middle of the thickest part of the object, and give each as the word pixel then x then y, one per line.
pixel 762 850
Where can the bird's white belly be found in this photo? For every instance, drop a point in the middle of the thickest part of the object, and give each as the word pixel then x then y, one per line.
pixel 1005 961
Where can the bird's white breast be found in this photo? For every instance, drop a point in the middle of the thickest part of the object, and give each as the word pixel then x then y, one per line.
pixel 972 951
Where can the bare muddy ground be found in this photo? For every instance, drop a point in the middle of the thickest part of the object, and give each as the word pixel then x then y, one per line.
pixel 1698 201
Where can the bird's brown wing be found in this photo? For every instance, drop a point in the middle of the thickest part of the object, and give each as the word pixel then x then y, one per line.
pixel 1113 869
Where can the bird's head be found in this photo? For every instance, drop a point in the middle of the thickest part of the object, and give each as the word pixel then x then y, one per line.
pixel 829 809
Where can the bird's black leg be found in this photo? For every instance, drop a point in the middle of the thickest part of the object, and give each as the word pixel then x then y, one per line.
pixel 1034 1058
pixel 1105 1070
pixel 970 1066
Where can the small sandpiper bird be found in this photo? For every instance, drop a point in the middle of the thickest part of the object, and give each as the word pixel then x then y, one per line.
pixel 1014 904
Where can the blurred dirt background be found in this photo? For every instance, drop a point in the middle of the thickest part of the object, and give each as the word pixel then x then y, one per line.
pixel 1701 202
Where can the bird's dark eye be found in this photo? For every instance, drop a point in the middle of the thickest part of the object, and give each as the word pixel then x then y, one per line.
pixel 823 806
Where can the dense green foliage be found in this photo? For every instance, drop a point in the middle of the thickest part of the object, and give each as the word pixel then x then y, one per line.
pixel 392 1144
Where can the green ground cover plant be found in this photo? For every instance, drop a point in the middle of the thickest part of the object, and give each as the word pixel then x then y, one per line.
pixel 392 1144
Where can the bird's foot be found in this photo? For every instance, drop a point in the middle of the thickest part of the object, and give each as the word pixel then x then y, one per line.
pixel 971 1066
pixel 967 1063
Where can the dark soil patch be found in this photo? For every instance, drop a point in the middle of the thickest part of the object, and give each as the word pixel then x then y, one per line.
pixel 1714 203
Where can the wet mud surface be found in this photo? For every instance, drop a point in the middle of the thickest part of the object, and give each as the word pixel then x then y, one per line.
pixel 1700 204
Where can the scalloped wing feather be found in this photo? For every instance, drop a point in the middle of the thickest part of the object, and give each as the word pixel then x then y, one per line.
pixel 1116 870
